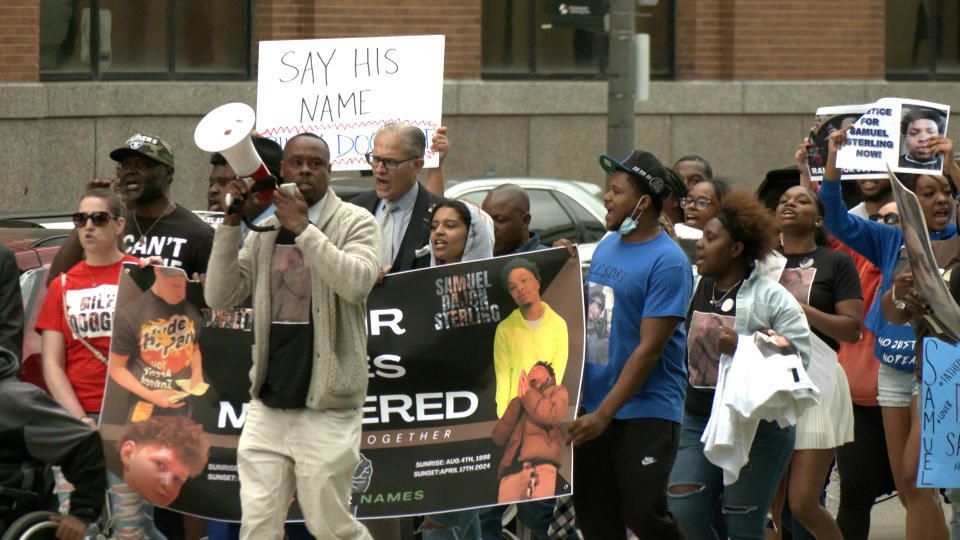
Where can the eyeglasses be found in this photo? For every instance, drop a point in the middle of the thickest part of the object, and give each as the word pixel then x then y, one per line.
pixel 390 164
pixel 891 218
pixel 99 218
pixel 701 203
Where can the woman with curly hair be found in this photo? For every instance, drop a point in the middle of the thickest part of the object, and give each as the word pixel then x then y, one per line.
pixel 732 298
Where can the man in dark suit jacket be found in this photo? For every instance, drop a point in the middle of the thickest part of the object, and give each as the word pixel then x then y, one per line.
pixel 396 160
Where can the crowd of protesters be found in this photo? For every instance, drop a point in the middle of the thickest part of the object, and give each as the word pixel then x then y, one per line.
pixel 814 282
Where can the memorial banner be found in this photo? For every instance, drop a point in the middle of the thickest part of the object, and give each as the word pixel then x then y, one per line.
pixel 467 405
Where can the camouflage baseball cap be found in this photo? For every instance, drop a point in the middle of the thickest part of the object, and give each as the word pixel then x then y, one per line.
pixel 144 145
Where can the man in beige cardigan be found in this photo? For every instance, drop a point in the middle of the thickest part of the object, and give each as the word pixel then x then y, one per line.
pixel 309 375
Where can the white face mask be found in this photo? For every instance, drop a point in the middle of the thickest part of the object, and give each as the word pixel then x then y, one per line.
pixel 629 223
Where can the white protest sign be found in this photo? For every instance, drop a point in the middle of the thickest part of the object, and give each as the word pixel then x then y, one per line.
pixel 892 133
pixel 344 89
pixel 828 120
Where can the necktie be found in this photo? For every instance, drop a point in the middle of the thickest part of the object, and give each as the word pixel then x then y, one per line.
pixel 386 229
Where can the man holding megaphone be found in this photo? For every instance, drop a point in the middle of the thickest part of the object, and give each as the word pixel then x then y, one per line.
pixel 309 376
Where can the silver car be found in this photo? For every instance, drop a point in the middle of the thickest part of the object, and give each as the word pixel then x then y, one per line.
pixel 558 208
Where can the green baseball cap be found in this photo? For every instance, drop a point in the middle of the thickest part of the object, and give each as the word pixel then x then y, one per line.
pixel 144 145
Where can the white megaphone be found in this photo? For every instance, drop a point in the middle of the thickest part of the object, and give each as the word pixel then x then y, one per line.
pixel 226 130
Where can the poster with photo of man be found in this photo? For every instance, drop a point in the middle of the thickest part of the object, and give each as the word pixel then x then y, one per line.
pixel 895 134
pixel 828 120
pixel 176 395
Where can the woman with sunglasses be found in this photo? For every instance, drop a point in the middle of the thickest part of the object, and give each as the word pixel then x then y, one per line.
pixel 702 203
pixel 895 345
pixel 827 285
pixel 732 298
pixel 75 320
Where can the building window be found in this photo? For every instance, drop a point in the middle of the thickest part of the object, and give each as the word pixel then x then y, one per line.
pixel 145 39
pixel 923 39
pixel 530 39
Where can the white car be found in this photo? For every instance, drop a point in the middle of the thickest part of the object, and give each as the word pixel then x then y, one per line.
pixel 568 209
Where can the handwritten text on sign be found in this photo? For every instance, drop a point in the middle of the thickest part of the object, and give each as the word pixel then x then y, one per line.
pixel 344 89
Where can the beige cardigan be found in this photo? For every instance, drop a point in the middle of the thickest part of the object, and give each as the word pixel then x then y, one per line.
pixel 343 249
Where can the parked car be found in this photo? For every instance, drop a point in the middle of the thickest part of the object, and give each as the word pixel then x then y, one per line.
pixel 34 248
pixel 558 208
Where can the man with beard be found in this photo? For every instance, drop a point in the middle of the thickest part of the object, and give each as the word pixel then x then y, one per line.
pixel 876 193
pixel 157 226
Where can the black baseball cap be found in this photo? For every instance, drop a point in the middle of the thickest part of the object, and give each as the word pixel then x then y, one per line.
pixel 642 165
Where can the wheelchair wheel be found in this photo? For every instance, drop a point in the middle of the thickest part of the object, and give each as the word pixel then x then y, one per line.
pixel 32 526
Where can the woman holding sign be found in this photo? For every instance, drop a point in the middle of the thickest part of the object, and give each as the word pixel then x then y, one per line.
pixel 898 388
pixel 459 232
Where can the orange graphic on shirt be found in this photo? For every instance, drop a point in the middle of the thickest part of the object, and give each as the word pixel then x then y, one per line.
pixel 168 344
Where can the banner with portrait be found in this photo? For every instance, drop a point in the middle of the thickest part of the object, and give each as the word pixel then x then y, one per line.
pixel 467 406
pixel 892 134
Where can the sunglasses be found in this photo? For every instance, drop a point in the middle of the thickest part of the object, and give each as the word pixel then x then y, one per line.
pixel 889 219
pixel 99 218
pixel 700 203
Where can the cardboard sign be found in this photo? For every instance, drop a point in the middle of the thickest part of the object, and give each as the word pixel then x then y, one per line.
pixel 344 89
pixel 828 120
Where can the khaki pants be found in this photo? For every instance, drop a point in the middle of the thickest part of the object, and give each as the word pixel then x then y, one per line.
pixel 518 486
pixel 312 452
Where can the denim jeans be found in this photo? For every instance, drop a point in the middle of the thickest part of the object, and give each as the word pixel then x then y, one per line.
pixel 457 525
pixel 534 515
pixel 742 506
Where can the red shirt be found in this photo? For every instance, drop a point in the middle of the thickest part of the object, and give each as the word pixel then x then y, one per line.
pixel 91 296
pixel 857 358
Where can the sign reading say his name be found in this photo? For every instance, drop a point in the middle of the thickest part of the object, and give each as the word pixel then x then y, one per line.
pixel 893 133
pixel 344 89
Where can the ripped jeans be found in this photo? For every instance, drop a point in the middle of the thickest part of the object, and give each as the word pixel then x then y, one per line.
pixel 740 508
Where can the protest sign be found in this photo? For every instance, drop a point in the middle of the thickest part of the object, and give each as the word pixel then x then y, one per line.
pixel 828 120
pixel 892 134
pixel 940 416
pixel 442 357
pixel 944 321
pixel 344 89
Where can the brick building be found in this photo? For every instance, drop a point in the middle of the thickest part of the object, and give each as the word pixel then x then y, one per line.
pixel 736 81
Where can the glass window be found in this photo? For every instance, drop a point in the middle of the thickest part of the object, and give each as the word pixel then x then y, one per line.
pixel 550 38
pixel 922 39
pixel 549 219
pixel 593 228
pixel 145 39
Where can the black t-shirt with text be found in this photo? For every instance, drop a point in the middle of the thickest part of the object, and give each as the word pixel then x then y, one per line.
pixel 180 237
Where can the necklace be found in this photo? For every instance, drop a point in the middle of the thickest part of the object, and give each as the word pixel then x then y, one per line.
pixel 142 240
pixel 103 270
pixel 726 304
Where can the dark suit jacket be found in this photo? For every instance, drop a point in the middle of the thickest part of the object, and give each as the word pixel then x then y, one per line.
pixel 417 234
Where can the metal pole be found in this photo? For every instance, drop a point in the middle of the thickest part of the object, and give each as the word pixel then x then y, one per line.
pixel 622 78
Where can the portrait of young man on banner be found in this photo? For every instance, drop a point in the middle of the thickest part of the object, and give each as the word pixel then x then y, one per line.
pixel 173 406
pixel 475 373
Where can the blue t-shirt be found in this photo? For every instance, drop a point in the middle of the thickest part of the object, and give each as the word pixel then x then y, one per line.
pixel 629 282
